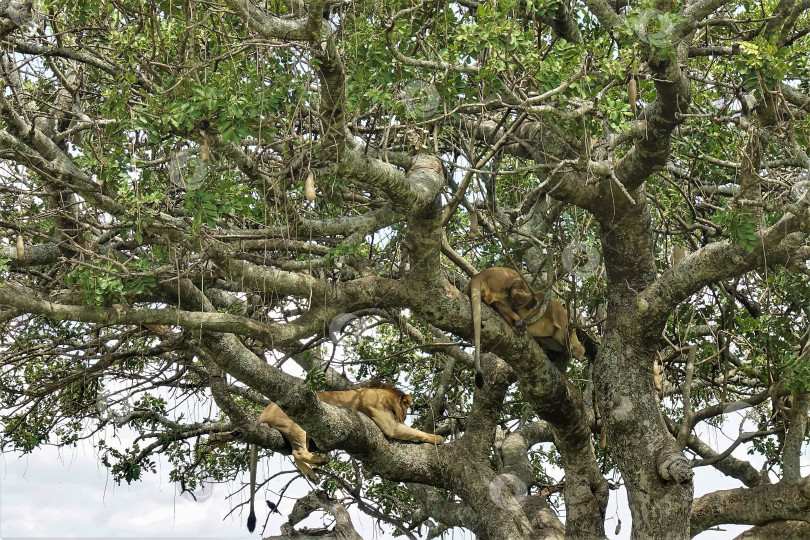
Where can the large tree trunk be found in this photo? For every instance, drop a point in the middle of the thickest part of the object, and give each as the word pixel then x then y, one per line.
pixel 660 498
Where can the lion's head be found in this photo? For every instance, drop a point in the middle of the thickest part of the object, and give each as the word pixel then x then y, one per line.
pixel 402 409
pixel 520 294
pixel 397 400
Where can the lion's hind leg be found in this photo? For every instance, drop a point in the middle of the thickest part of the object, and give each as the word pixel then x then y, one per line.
pixel 303 462
pixel 306 469
pixel 302 457
pixel 297 437
pixel 307 457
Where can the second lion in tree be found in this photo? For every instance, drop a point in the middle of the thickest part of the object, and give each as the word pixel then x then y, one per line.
pixel 550 329
pixel 505 290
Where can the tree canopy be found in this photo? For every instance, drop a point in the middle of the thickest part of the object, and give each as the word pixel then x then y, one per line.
pixel 216 204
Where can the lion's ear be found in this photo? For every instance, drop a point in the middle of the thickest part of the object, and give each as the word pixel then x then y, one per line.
pixel 406 401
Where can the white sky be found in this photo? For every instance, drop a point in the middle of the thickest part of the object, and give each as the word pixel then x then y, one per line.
pixel 68 494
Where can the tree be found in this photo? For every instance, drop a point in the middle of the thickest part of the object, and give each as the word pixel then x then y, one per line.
pixel 198 195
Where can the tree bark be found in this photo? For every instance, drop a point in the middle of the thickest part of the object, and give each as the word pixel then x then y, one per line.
pixel 659 490
pixel 759 505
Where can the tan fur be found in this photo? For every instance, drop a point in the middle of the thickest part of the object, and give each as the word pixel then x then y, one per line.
pixel 552 333
pixel 503 289
pixel 382 402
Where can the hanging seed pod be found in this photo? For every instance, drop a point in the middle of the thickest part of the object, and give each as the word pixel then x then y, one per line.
pixel 20 247
pixel 632 94
pixel 474 223
pixel 678 253
pixel 618 527
pixel 657 382
pixel 309 186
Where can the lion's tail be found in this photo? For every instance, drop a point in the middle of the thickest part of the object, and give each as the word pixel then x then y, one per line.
pixel 251 521
pixel 475 300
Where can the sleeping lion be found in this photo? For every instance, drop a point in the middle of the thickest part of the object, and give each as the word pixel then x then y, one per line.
pixel 382 402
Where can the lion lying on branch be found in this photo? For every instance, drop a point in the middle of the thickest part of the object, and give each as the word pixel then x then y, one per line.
pixel 382 402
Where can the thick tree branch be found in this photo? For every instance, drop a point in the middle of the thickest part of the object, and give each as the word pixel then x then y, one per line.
pixel 787 530
pixel 606 15
pixel 542 384
pixel 409 192
pixel 652 151
pixel 433 505
pixel 312 502
pixel 794 440
pixel 35 255
pixel 731 466
pixel 718 261
pixel 755 506
pixel 14 296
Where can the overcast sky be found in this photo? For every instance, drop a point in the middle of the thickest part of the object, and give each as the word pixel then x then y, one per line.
pixel 69 494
